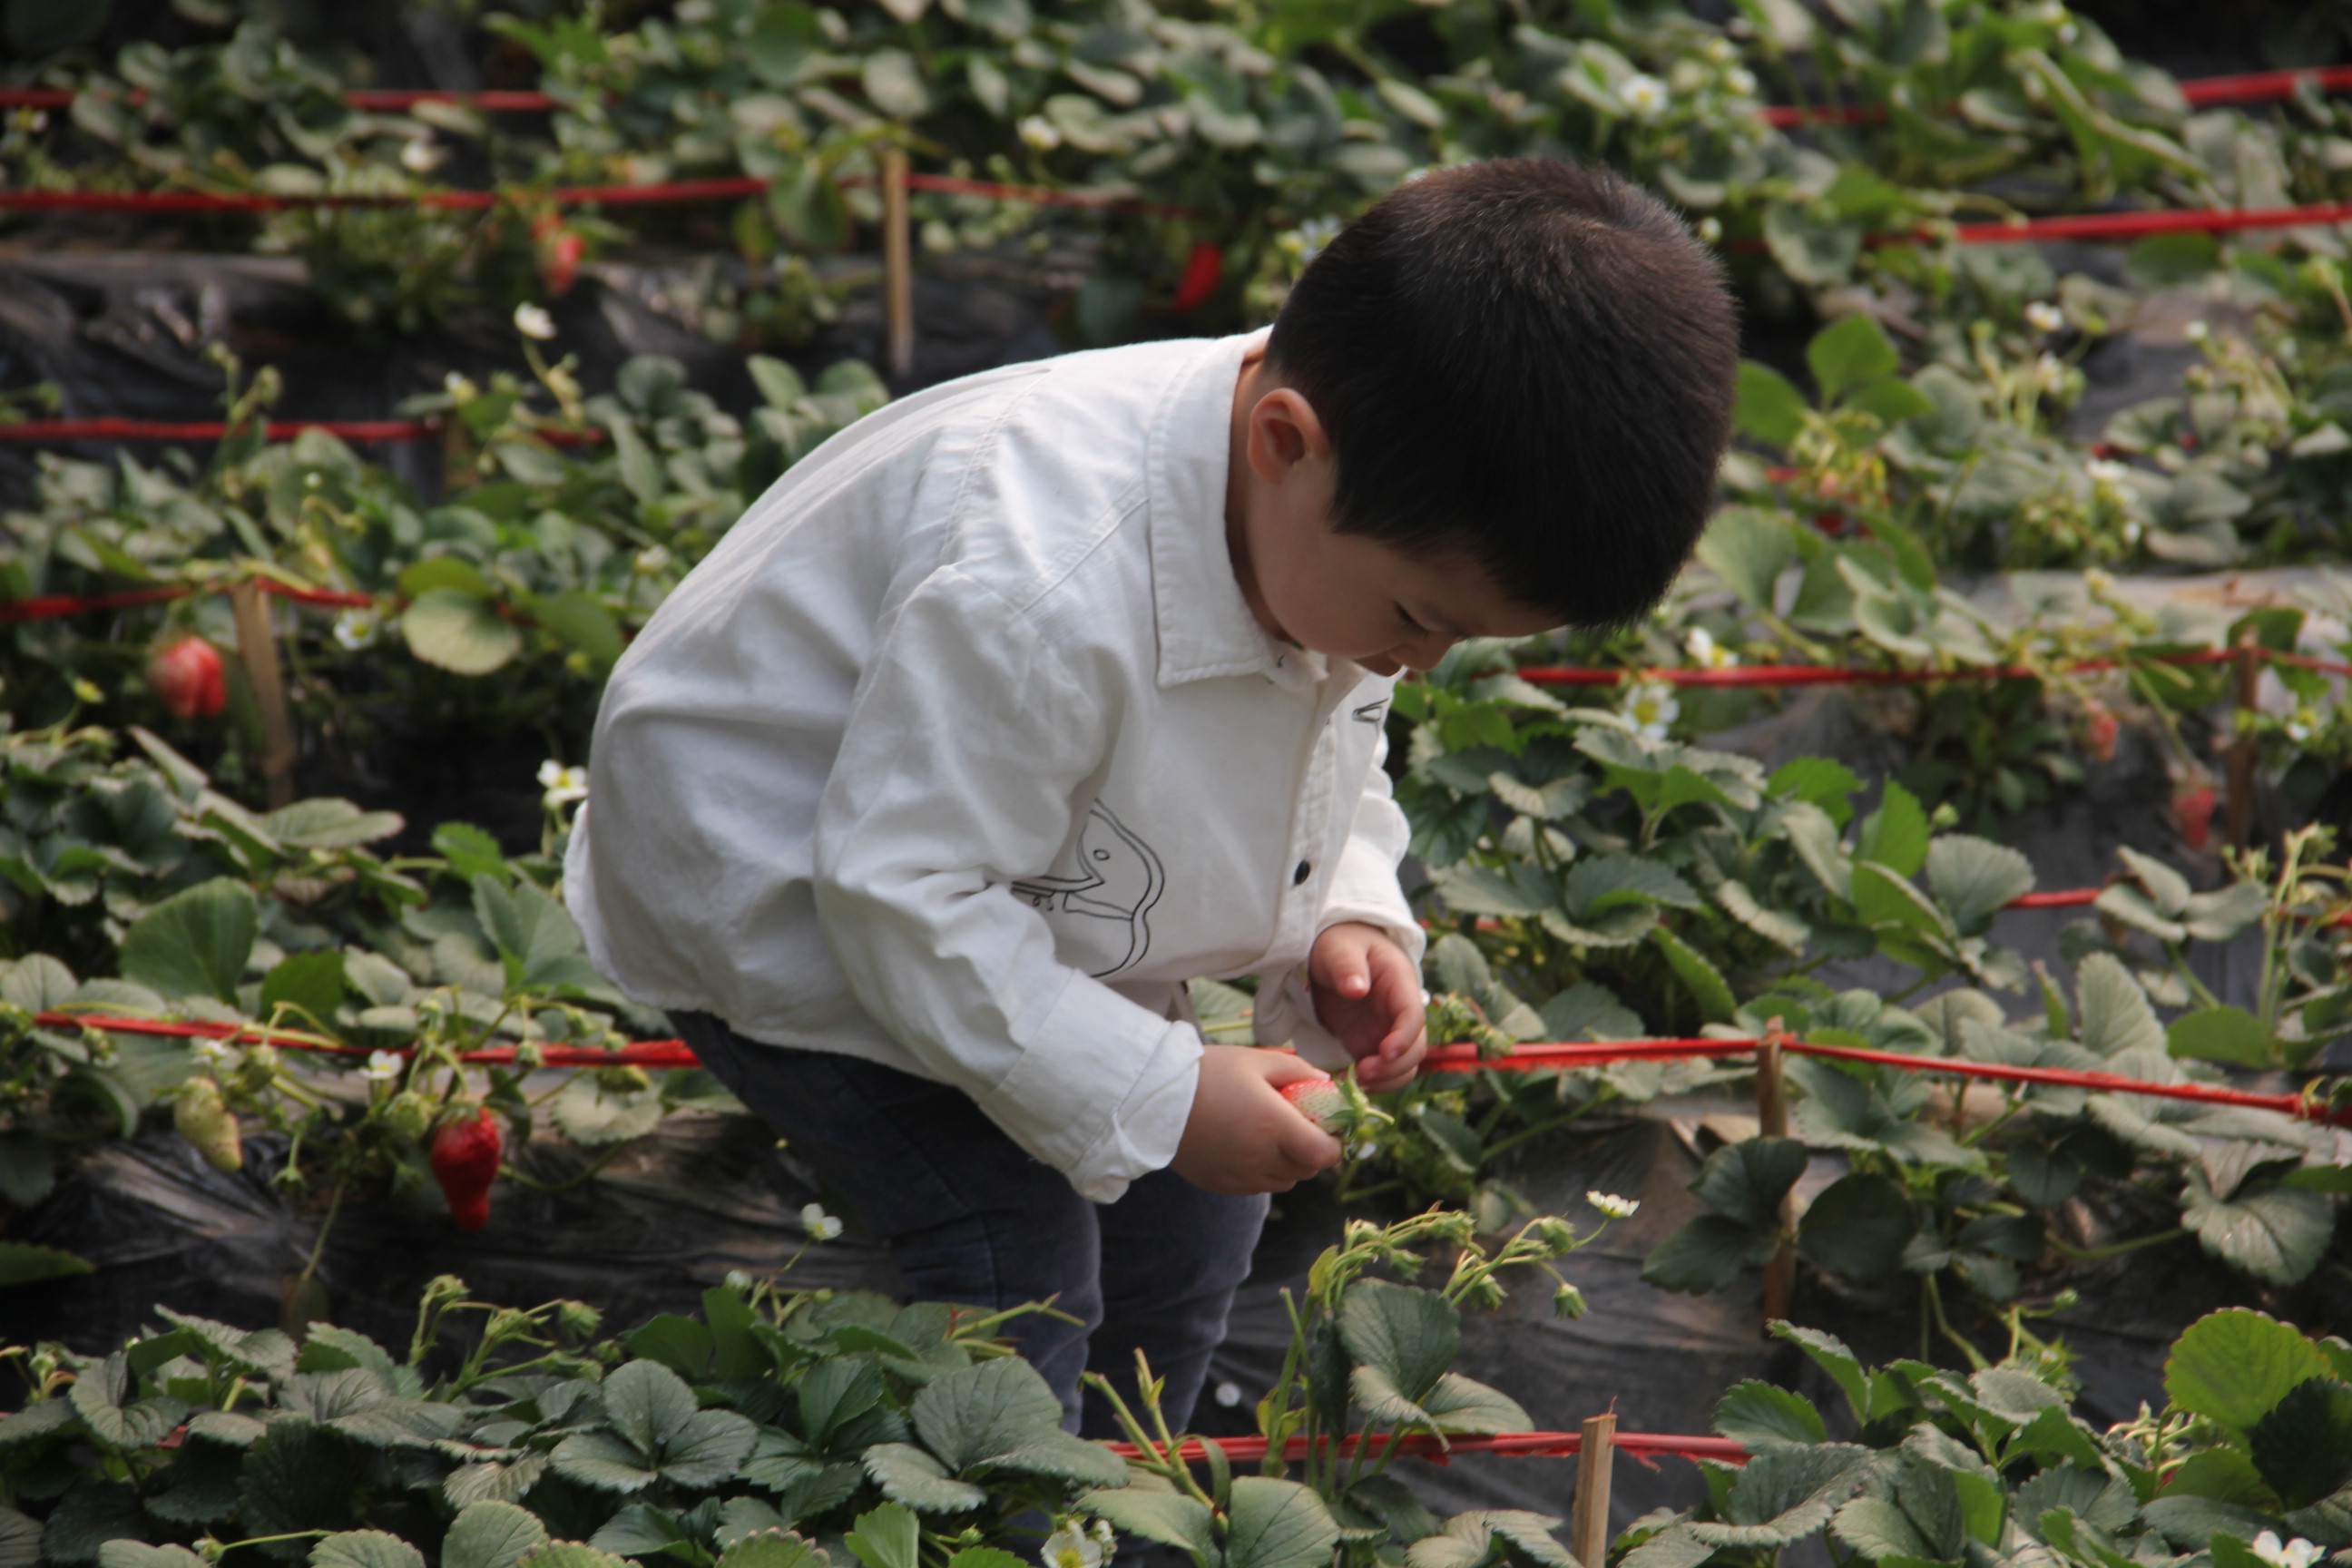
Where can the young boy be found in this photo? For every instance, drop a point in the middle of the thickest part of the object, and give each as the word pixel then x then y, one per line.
pixel 1030 697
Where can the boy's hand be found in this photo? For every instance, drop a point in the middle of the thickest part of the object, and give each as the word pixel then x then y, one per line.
pixel 1367 994
pixel 1243 1137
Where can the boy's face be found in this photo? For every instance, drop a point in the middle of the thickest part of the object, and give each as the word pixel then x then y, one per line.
pixel 1341 593
pixel 1361 599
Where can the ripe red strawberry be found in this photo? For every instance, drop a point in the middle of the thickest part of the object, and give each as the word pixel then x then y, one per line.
pixel 2192 813
pixel 559 252
pixel 2100 728
pixel 186 675
pixel 1204 270
pixel 466 1161
pixel 1319 1100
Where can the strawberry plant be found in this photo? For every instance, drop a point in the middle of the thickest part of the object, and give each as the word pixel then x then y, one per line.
pixel 1620 868
pixel 537 570
pixel 808 1428
pixel 713 1440
pixel 135 889
pixel 2247 1456
pixel 1976 1190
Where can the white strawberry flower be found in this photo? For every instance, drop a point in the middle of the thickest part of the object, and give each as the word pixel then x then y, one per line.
pixel 1740 80
pixel 213 1052
pixel 823 1227
pixel 564 785
pixel 1070 1547
pixel 383 1067
pixel 2197 331
pixel 1650 705
pixel 2105 471
pixel 533 321
pixel 2044 317
pixel 1710 229
pixel 2295 1554
pixel 2048 373
pixel 1307 240
pixel 1612 1206
pixel 1038 131
pixel 419 156
pixel 1644 95
pixel 356 629
pixel 1708 653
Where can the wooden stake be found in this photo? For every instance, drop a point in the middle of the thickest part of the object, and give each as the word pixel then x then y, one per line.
pixel 256 647
pixel 1595 1460
pixel 898 264
pixel 1772 1119
pixel 2244 751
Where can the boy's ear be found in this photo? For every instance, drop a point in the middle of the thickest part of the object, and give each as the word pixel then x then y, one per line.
pixel 1284 432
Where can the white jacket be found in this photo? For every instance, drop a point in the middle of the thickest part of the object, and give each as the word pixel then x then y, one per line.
pixel 962 752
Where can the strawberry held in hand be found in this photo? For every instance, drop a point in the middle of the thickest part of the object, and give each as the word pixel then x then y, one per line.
pixel 466 1161
pixel 1319 1100
pixel 187 676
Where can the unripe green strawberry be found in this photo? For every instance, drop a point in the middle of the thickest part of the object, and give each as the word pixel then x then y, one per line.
pixel 1320 1101
pixel 622 1080
pixel 204 1119
pixel 259 1070
pixel 409 1115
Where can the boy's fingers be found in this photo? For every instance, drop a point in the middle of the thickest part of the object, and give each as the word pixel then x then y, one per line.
pixel 1400 995
pixel 1342 968
pixel 1303 1155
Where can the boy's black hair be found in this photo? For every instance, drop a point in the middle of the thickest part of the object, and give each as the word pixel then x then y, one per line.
pixel 1530 361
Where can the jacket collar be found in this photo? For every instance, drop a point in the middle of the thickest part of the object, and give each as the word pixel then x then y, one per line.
pixel 1205 625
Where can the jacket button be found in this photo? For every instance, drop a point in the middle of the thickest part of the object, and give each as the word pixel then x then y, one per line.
pixel 1299 876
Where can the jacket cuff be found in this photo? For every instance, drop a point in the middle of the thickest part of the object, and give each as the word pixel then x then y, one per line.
pixel 1103 1091
pixel 1364 888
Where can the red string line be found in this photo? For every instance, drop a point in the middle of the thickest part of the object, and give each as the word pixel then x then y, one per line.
pixel 2139 225
pixel 2252 87
pixel 1427 1446
pixel 1769 675
pixel 110 429
pixel 731 188
pixel 2086 226
pixel 1540 1056
pixel 57 606
pixel 1536 1057
pixel 374 99
pixel 2056 899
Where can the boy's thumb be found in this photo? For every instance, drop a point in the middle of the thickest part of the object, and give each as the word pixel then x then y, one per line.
pixel 1285 1068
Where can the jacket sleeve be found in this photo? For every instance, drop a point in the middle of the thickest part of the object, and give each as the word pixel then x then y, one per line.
pixel 1363 887
pixel 968 750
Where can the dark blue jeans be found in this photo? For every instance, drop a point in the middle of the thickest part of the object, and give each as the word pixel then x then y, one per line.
pixel 972 1218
